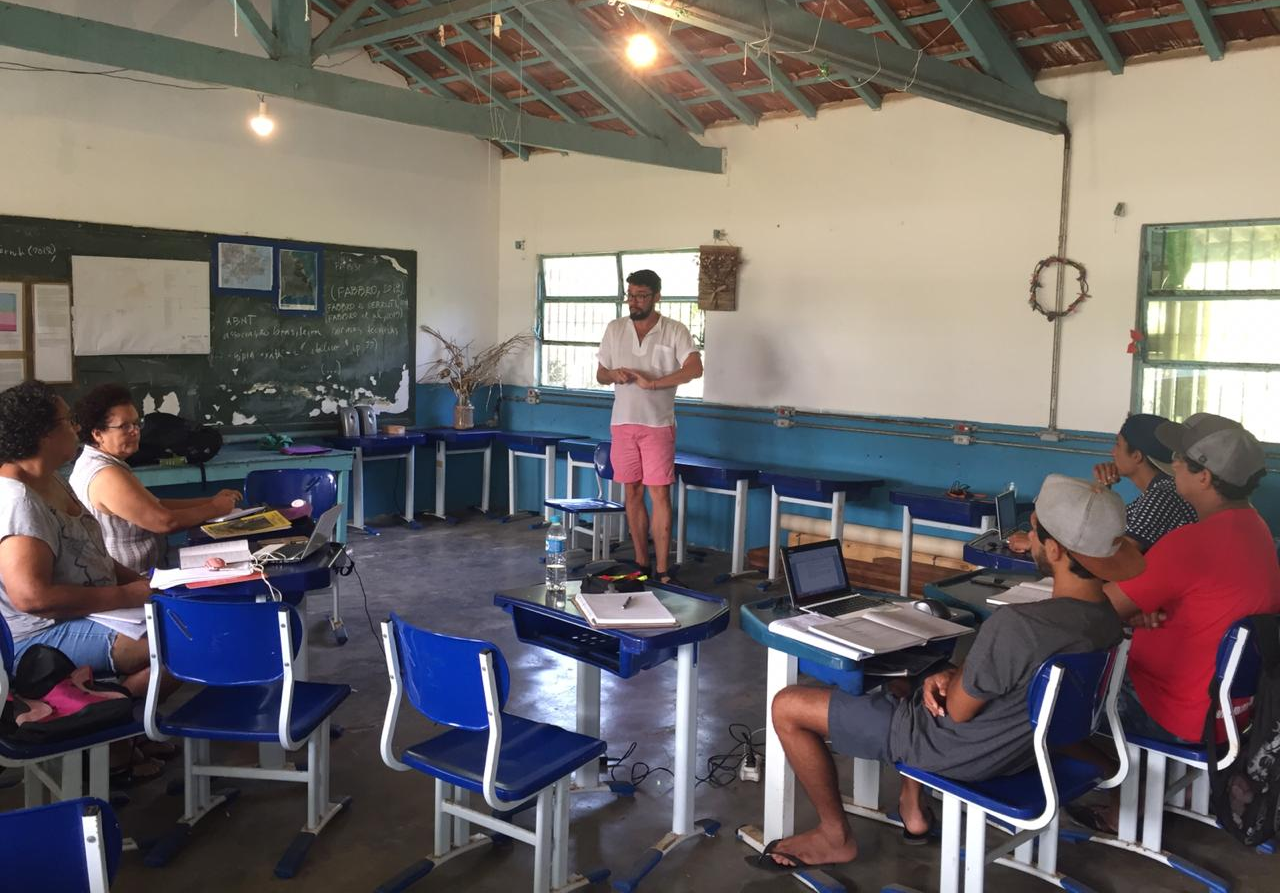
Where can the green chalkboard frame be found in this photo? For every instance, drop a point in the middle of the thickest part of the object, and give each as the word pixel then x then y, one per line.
pixel 365 352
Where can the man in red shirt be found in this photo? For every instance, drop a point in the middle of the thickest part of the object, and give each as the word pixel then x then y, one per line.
pixel 1199 580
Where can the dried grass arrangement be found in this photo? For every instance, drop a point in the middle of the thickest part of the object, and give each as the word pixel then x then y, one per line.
pixel 464 371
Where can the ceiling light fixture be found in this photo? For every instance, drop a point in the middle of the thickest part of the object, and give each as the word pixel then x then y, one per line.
pixel 261 123
pixel 641 50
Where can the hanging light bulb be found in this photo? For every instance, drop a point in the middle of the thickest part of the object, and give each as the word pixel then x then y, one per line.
pixel 641 50
pixel 261 123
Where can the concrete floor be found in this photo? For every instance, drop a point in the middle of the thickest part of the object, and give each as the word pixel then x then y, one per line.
pixel 444 578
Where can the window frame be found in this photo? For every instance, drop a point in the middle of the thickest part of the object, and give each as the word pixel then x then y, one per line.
pixel 619 301
pixel 1147 294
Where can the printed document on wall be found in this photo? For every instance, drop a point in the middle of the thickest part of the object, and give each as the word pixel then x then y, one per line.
pixel 51 330
pixel 127 305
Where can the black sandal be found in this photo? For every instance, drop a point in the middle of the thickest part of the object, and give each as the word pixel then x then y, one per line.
pixel 1094 817
pixel 910 838
pixel 139 770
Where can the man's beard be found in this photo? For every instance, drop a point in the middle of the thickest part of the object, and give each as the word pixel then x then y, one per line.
pixel 638 315
pixel 1042 564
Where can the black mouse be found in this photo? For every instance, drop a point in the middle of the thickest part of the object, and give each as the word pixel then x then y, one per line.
pixel 934 607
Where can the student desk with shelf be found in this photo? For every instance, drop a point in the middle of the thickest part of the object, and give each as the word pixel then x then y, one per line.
pixel 459 442
pixel 235 461
pixel 556 625
pixel 380 448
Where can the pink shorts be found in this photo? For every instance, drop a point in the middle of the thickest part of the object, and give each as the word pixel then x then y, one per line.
pixel 641 454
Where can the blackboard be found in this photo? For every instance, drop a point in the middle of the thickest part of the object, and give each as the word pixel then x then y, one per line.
pixel 266 369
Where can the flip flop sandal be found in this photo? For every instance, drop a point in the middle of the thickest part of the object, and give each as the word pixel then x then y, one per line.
pixel 764 861
pixel 910 838
pixel 139 770
pixel 1093 817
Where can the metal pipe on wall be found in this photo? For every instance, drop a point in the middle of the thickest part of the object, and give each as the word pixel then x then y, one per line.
pixel 1055 372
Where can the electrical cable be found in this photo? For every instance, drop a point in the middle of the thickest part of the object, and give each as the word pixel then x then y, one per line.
pixel 365 596
pixel 722 769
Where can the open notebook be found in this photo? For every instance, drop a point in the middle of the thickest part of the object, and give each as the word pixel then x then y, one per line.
pixel 1024 593
pixel 880 630
pixel 616 610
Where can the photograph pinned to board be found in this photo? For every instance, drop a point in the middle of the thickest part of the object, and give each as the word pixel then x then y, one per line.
pixel 12 328
pixel 301 273
pixel 51 332
pixel 244 267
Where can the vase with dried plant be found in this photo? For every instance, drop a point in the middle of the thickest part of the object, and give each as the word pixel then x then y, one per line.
pixel 465 370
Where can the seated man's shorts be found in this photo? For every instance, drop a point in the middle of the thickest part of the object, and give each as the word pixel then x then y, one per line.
pixel 642 454
pixel 84 642
pixel 859 725
pixel 1136 720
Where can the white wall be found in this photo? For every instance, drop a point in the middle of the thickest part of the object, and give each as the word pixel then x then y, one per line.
pixel 113 151
pixel 887 254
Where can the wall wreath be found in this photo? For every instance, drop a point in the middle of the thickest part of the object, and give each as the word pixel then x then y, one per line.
pixel 1033 298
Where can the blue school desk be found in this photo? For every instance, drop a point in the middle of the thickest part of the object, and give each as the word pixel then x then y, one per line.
pixel 557 625
pixel 235 461
pixel 712 475
pixel 814 488
pixel 539 445
pixel 459 442
pixel 971 589
pixel 378 448
pixel 989 551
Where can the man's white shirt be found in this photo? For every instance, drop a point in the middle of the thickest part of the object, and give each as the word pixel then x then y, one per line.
pixel 662 352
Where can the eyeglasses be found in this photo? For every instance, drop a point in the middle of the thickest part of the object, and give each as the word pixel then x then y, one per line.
pixel 127 426
pixel 634 296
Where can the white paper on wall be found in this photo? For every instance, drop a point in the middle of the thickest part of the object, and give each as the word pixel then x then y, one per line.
pixel 51 332
pixel 130 305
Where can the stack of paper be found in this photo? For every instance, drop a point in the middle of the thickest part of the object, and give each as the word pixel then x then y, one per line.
pixel 171 577
pixel 131 622
pixel 632 610
pixel 1024 593
pixel 234 552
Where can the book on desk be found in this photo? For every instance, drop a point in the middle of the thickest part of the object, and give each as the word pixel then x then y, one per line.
pixel 262 522
pixel 618 610
pixel 881 630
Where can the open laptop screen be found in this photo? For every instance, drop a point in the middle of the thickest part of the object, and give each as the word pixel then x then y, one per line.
pixel 1007 513
pixel 815 572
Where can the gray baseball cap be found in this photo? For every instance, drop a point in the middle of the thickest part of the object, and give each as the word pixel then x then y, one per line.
pixel 1219 444
pixel 1089 522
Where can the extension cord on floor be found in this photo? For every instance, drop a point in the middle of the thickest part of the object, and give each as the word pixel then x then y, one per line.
pixel 750 768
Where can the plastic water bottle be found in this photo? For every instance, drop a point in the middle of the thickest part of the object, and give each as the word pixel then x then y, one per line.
pixel 557 570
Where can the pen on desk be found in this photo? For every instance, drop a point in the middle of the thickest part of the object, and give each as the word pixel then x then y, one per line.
pixel 626 603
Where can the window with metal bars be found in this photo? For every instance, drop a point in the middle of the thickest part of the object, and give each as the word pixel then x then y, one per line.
pixel 580 294
pixel 1209 315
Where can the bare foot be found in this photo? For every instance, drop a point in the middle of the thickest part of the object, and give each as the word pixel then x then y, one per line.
pixel 916 818
pixel 818 846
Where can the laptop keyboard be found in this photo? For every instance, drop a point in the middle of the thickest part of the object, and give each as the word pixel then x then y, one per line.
pixel 847 605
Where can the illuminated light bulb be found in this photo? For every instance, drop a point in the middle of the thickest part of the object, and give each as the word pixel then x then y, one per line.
pixel 261 123
pixel 641 50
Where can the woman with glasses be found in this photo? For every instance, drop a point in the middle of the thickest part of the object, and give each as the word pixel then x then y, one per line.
pixel 134 522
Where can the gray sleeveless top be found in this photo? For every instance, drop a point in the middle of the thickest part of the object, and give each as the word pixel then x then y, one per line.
pixel 129 544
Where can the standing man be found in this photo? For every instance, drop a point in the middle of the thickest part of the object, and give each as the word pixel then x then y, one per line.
pixel 646 356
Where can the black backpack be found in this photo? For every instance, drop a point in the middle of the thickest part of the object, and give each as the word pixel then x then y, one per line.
pixel 43 669
pixel 166 436
pixel 1245 796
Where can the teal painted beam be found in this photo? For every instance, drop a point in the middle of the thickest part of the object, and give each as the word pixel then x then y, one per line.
pixel 1097 30
pixel 338 27
pixel 258 27
pixel 792 30
pixel 780 82
pixel 70 37
pixel 565 29
pixel 512 68
pixel 416 22
pixel 976 24
pixel 1210 36
pixel 719 89
pixel 894 25
pixel 289 19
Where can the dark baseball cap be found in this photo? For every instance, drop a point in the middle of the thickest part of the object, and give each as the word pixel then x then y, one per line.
pixel 1219 444
pixel 1139 431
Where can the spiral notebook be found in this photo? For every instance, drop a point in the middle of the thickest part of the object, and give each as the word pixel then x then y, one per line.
pixel 617 610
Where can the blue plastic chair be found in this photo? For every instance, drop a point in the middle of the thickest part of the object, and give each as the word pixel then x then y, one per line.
pixel 1065 703
pixel 598 505
pixel 68 847
pixel 318 486
pixel 57 768
pixel 243 653
pixel 1171 769
pixel 463 684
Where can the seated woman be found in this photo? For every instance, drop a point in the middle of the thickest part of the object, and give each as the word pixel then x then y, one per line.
pixel 134 522
pixel 54 567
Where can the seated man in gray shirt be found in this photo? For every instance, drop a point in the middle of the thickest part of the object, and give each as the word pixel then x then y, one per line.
pixel 968 723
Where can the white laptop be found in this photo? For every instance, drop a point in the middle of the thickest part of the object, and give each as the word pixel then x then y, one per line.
pixel 287 553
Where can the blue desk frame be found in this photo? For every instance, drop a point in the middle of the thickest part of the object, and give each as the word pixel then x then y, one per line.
pixel 235 461
pixel 524 444
pixel 559 627
pixel 712 475
pixel 459 442
pixel 376 448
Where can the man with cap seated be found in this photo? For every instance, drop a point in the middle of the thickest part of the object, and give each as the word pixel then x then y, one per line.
pixel 1199 580
pixel 1140 456
pixel 969 722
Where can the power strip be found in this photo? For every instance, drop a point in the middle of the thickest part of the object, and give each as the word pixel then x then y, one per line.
pixel 749 770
